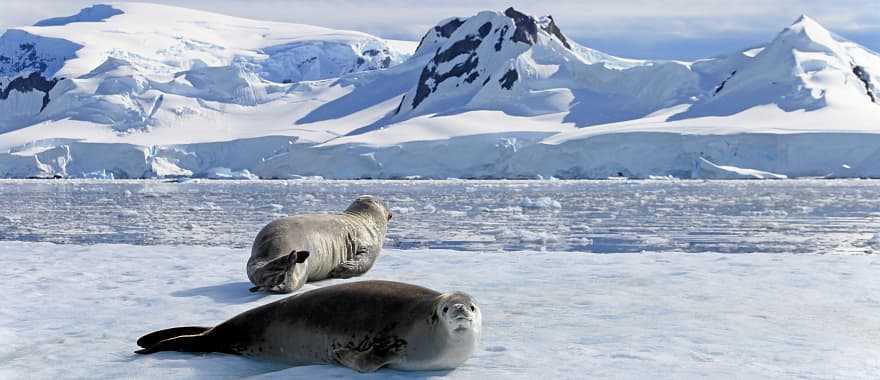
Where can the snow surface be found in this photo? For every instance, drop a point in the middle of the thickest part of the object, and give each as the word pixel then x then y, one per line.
pixel 159 91
pixel 73 311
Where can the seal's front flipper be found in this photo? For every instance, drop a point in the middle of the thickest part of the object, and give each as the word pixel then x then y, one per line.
pixel 364 361
pixel 255 289
pixel 361 263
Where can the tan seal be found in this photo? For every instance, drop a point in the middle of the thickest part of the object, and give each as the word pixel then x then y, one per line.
pixel 290 251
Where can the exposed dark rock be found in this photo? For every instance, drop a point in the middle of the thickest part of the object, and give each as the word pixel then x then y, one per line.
pixel 33 82
pixel 508 79
pixel 488 78
pixel 450 27
pixel 371 52
pixel 526 27
pixel 423 90
pixel 397 110
pixel 863 76
pixel 444 30
pixel 466 46
pixel 386 63
pixel 471 78
pixel 721 86
pixel 554 30
pixel 485 29
pixel 501 35
pixel 360 61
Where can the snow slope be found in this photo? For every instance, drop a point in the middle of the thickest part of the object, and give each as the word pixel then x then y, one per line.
pixel 134 66
pixel 500 94
pixel 74 311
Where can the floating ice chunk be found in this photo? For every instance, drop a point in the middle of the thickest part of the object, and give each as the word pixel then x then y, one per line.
pixel 454 213
pixel 525 235
pixel 509 210
pixel 733 172
pixel 540 203
pixel 127 214
pixel 661 177
pixel 875 241
pixel 227 173
pixel 306 198
pixel 273 207
pixel 403 210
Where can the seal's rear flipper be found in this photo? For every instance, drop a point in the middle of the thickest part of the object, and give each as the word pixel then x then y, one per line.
pixel 184 343
pixel 157 336
pixel 275 272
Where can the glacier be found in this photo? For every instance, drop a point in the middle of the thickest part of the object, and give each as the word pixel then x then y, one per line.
pixel 130 90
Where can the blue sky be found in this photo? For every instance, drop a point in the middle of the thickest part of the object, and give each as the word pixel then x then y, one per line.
pixel 683 29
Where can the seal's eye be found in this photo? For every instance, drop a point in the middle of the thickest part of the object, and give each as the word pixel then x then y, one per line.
pixel 445 309
pixel 473 308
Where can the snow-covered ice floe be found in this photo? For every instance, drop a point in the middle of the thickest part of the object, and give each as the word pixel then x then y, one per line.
pixel 72 311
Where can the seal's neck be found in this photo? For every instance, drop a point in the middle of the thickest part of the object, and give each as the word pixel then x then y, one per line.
pixel 456 346
pixel 376 226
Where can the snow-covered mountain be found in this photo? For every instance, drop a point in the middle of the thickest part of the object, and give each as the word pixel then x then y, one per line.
pixel 142 90
pixel 805 67
pixel 525 66
pixel 118 64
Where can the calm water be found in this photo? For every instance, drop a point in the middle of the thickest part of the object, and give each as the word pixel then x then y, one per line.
pixel 804 216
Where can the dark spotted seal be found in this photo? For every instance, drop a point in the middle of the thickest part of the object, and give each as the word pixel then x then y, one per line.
pixel 361 325
pixel 290 251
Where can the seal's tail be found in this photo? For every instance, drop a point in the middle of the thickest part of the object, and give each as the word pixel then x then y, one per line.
pixel 185 339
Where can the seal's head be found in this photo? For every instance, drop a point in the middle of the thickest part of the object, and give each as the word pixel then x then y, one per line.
pixel 458 312
pixel 372 206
